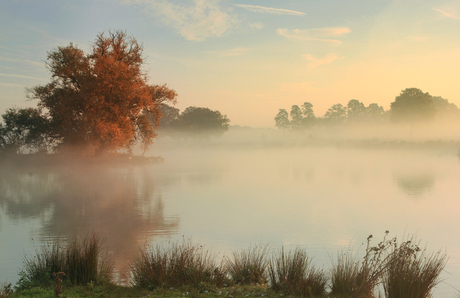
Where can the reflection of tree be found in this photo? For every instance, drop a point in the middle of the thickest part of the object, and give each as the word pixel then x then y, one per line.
pixel 415 184
pixel 119 206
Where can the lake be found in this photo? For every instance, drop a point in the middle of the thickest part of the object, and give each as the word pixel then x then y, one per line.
pixel 325 198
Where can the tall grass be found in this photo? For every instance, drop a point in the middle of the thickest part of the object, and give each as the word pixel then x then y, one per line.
pixel 6 290
pixel 249 266
pixel 80 261
pixel 84 263
pixel 294 274
pixel 174 266
pixel 412 272
pixel 353 278
pixel 344 274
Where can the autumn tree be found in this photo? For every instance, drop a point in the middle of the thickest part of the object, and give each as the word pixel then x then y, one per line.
pixel 101 101
pixel 412 105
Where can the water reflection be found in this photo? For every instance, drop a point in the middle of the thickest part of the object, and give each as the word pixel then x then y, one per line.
pixel 415 184
pixel 120 205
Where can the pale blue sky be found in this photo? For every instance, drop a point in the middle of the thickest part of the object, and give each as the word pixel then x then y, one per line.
pixel 249 58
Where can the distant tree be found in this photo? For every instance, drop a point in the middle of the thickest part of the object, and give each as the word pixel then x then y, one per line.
pixel 445 108
pixel 336 114
pixel 169 114
pixel 412 105
pixel 308 115
pixel 282 119
pixel 374 112
pixel 101 101
pixel 296 117
pixel 24 129
pixel 355 110
pixel 201 122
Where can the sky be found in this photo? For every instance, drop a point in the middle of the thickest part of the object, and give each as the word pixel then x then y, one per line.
pixel 249 58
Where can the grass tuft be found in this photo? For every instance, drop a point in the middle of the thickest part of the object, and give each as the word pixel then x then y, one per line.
pixel 80 262
pixel 249 267
pixel 293 274
pixel 412 272
pixel 344 274
pixel 6 290
pixel 179 265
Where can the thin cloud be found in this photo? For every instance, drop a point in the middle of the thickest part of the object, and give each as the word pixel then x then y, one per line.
pixel 263 9
pixel 23 61
pixel 317 34
pixel 257 25
pixel 447 14
pixel 18 76
pixel 10 85
pixel 197 21
pixel 230 53
pixel 314 62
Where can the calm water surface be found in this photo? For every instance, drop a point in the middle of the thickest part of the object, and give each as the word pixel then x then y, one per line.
pixel 323 198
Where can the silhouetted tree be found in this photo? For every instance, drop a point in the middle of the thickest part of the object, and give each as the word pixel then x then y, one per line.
pixel 296 117
pixel 24 129
pixel 445 108
pixel 355 110
pixel 412 105
pixel 169 114
pixel 282 119
pixel 101 101
pixel 375 113
pixel 308 115
pixel 200 122
pixel 336 114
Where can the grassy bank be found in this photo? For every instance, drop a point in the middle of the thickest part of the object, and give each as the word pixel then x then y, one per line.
pixel 188 270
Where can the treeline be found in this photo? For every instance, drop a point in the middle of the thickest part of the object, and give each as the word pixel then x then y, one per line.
pixel 410 106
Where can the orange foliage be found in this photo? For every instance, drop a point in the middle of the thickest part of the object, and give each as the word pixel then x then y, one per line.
pixel 102 100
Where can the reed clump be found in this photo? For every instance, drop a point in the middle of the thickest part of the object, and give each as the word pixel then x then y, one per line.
pixel 249 267
pixel 178 265
pixel 412 272
pixel 6 290
pixel 80 262
pixel 293 273
pixel 351 278
pixel 344 274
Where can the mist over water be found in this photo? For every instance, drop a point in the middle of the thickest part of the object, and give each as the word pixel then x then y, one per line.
pixel 250 186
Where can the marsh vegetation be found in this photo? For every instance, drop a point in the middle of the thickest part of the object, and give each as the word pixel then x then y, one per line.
pixel 402 268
